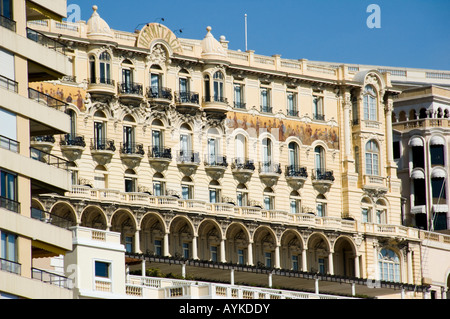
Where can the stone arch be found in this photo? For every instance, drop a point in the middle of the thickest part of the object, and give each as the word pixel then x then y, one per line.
pixel 264 246
pixel 152 231
pixel 319 249
pixel 66 213
pixel 291 247
pixel 124 222
pixel 210 238
pixel 237 241
pixel 181 233
pixel 94 217
pixel 344 254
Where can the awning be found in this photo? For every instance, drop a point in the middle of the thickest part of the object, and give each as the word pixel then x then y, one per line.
pixel 438 173
pixel 440 208
pixel 417 174
pixel 437 140
pixel 415 141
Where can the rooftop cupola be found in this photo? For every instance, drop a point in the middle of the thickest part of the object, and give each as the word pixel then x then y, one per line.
pixel 97 28
pixel 211 48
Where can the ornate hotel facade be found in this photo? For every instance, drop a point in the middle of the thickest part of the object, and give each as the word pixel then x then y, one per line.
pixel 193 152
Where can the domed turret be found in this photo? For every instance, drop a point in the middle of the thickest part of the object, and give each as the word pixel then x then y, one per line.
pixel 211 48
pixel 97 28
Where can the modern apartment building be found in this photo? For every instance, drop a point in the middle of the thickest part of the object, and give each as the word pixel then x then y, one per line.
pixel 226 167
pixel 27 56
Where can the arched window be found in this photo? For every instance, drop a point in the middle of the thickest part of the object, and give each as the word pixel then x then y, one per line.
pixel 207 83
pixel 372 158
pixel 105 68
pixel 92 69
pixel 218 87
pixel 294 155
pixel 381 212
pixel 127 77
pixel 100 131
pixel 389 265
pixel 213 156
pixel 370 103
pixel 158 138
pixel 156 81
pixel 128 146
pixel 214 192
pixel 295 202
pixel 100 177
pixel 240 148
pixel 267 160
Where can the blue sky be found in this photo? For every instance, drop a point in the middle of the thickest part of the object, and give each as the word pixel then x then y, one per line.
pixel 413 33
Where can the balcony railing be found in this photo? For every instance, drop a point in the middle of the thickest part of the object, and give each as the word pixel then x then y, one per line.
pixel 215 98
pixel 102 80
pixel 50 218
pixel 10 266
pixel 243 163
pixel 46 99
pixel 9 204
pixel 9 84
pixel 188 157
pixel 187 97
pixel 296 171
pixel 216 160
pixel 323 175
pixel 103 145
pixel 51 278
pixel 48 159
pixel 8 23
pixel 240 105
pixel 73 140
pixel 9 144
pixel 46 41
pixel 319 117
pixel 291 112
pixel 266 109
pixel 269 167
pixel 131 88
pixel 159 152
pixel 132 148
pixel 43 139
pixel 159 93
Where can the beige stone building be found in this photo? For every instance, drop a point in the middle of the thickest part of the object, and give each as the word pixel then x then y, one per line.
pixel 232 165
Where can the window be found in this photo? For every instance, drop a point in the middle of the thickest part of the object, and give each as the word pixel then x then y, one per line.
pixel 419 191
pixel 183 82
pixel 157 138
pixel 265 100
pixel 213 253
pixel 218 87
pixel 295 203
pixel 241 259
pixel 129 244
pixel 130 181
pixel 102 269
pixel 318 110
pixel 187 188
pixel 321 206
pixel 127 77
pixel 214 192
pixel 207 83
pixel 8 248
pixel 389 265
pixel 213 147
pixel 268 259
pixel 366 210
pixel 437 154
pixel 365 215
pixel 266 154
pixel 158 185
pixel 185 142
pixel 240 148
pixel 319 160
pixel 93 69
pixel 242 195
pixel 99 131
pixel 158 247
pixel 6 9
pixel 372 158
pixel 370 103
pixel 294 260
pixel 438 190
pixel 105 68
pixel 185 250
pixel 8 191
pixel 269 199
pixel 156 80
pixel 396 149
pixel 100 177
pixel 418 157
pixel 292 104
pixel 294 155
pixel 321 264
pixel 128 136
pixel 239 96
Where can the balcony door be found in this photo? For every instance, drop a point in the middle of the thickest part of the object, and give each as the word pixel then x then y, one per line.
pixel 6 9
pixel 128 138
pixel 319 160
pixel 99 135
pixel 127 79
pixel 267 152
pixel 293 155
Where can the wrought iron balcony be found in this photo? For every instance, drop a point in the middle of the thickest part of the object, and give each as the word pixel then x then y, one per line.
pixel 269 168
pixel 188 157
pixel 266 109
pixel 101 80
pixel 162 93
pixel 103 145
pixel 159 152
pixel 319 117
pixel 323 175
pixel 240 105
pixel 47 100
pixel 132 148
pixel 187 98
pixel 296 171
pixel 131 88
pixel 8 23
pixel 292 112
pixel 215 98
pixel 242 164
pixel 216 160
pixel 73 140
pixel 46 41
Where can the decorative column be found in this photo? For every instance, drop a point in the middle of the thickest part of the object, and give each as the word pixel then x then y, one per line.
pixel 194 247
pixel 166 245
pixel 137 242
pixel 347 129
pixel 409 265
pixel 277 256
pixel 222 251
pixel 250 253
pixel 304 263
pixel 357 274
pixel 330 263
pixel 389 107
